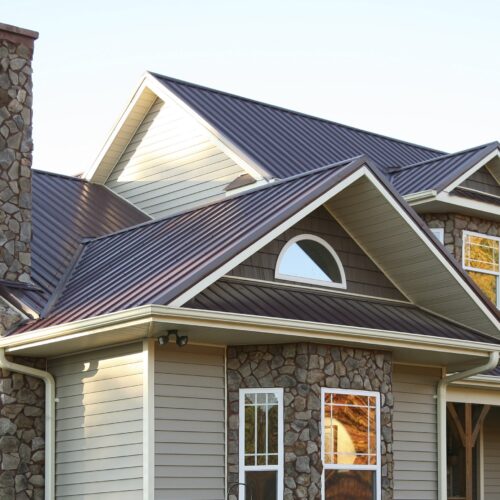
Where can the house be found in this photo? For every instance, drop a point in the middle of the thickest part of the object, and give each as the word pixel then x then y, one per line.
pixel 242 301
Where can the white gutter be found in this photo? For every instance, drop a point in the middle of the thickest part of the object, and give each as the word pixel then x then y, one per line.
pixel 441 416
pixel 421 195
pixel 50 393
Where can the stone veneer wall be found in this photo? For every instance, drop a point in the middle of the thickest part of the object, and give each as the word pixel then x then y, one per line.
pixel 302 370
pixel 455 224
pixel 16 51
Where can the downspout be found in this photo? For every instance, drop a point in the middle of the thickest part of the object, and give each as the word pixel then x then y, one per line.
pixel 441 416
pixel 50 395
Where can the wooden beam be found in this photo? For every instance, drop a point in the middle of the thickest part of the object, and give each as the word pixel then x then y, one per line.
pixel 456 421
pixel 469 477
pixel 477 428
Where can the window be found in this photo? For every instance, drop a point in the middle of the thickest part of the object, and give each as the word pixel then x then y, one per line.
pixel 261 444
pixel 350 422
pixel 481 259
pixel 309 259
pixel 438 233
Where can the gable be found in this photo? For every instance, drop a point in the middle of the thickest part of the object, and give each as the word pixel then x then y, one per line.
pixel 362 274
pixel 171 163
pixel 483 181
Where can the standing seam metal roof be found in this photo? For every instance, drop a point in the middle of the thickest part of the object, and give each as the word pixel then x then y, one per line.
pixel 286 143
pixel 323 307
pixel 65 210
pixel 149 263
pixel 439 172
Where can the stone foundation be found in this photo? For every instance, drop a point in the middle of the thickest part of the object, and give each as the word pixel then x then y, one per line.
pixel 455 224
pixel 302 370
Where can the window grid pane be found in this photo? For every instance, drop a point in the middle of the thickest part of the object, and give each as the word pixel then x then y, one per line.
pixel 261 429
pixel 350 429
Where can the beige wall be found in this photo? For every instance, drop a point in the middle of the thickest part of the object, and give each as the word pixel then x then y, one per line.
pixel 171 164
pixel 99 421
pixel 189 423
pixel 415 433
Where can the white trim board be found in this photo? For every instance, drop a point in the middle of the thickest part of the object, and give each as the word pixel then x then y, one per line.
pixel 110 153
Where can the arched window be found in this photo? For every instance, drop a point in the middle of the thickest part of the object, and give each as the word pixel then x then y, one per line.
pixel 310 259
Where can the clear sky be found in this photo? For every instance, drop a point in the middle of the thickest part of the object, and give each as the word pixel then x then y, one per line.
pixel 424 71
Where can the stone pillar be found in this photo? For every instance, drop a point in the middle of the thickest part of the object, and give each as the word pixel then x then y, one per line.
pixel 22 398
pixel 302 370
pixel 16 147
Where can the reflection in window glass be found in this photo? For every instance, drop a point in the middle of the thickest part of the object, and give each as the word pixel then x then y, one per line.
pixel 350 443
pixel 481 258
pixel 310 260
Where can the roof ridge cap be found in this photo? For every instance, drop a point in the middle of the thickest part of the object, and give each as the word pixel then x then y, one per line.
pixel 448 155
pixel 295 112
pixel 63 176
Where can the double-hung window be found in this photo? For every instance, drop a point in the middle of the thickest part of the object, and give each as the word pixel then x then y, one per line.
pixel 481 260
pixel 261 444
pixel 350 422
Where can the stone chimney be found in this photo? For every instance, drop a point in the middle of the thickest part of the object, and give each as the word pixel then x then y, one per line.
pixel 16 148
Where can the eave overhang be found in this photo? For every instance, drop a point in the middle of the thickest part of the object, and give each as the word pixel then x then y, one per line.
pixel 210 327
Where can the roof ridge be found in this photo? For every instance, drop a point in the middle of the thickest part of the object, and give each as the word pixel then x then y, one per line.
pixel 57 174
pixel 287 110
pixel 438 158
pixel 277 182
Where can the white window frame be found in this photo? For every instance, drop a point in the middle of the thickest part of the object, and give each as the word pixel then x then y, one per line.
pixel 438 232
pixel 378 467
pixel 477 270
pixel 288 277
pixel 278 392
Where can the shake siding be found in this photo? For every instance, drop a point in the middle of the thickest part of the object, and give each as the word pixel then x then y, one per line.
pixel 171 164
pixel 491 440
pixel 99 419
pixel 362 274
pixel 189 423
pixel 483 181
pixel 415 433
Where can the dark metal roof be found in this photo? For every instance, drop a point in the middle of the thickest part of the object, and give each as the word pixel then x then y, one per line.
pixel 156 261
pixel 65 210
pixel 476 195
pixel 286 143
pixel 438 173
pixel 327 307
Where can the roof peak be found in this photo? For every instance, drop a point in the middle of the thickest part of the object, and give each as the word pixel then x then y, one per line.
pixel 288 110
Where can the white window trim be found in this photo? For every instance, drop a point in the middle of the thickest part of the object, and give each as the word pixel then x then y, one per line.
pixel 310 281
pixel 278 392
pixel 378 467
pixel 438 233
pixel 477 270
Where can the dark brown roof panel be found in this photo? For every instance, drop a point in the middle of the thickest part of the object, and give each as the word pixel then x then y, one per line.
pixel 324 307
pixel 286 143
pixel 66 210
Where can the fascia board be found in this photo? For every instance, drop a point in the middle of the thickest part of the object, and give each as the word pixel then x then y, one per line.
pixel 459 201
pixel 243 322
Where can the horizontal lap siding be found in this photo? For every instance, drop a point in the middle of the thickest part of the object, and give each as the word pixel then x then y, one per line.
pixel 189 423
pixel 415 433
pixel 491 440
pixel 171 163
pixel 99 421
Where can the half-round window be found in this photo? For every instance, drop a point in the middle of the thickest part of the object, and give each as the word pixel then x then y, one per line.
pixel 309 259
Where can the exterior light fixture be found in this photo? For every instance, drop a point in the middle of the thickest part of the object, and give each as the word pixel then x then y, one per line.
pixel 180 340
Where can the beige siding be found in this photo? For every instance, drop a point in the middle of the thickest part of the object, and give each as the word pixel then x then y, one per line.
pixel 491 440
pixel 415 433
pixel 171 164
pixel 99 420
pixel 189 423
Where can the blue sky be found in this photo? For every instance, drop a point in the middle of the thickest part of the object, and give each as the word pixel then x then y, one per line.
pixel 426 71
